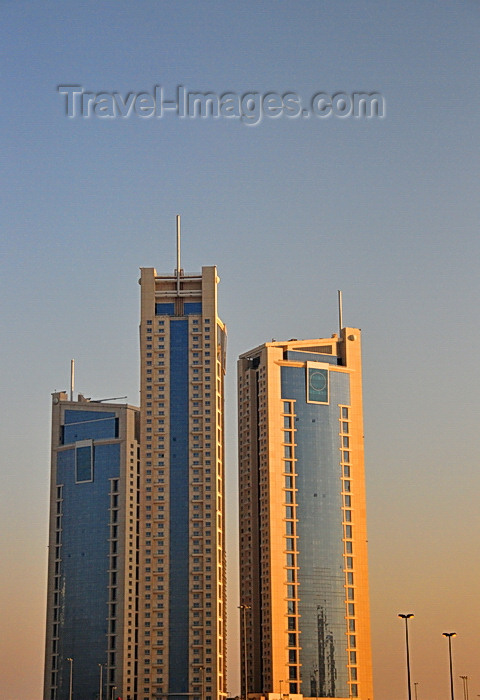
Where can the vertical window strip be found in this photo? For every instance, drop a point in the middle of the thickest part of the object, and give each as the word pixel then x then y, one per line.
pixel 345 467
pixel 288 412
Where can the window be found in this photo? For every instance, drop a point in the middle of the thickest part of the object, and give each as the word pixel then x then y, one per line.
pixel 84 461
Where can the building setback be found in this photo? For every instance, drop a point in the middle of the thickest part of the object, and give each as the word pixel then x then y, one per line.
pixel 92 597
pixel 182 526
pixel 303 539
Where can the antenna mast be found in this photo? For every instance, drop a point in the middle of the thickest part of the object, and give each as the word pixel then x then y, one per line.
pixel 178 253
pixel 72 378
pixel 340 310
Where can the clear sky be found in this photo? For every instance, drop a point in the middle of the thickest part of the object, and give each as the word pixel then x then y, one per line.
pixel 290 210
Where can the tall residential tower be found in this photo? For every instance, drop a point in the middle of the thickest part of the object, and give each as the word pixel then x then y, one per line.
pixel 183 615
pixel 303 539
pixel 92 597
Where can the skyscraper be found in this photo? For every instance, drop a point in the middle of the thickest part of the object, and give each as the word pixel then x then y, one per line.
pixel 92 593
pixel 183 616
pixel 303 550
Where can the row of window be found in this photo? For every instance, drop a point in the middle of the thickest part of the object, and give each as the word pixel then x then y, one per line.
pixel 290 546
pixel 194 321
pixel 56 594
pixel 348 553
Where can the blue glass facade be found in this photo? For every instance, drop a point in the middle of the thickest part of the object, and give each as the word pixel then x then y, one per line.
pixel 165 308
pixel 179 513
pixel 168 308
pixel 87 473
pixel 192 307
pixel 85 425
pixel 321 578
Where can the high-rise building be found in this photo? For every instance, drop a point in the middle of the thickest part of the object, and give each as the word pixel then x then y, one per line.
pixel 92 597
pixel 303 538
pixel 183 615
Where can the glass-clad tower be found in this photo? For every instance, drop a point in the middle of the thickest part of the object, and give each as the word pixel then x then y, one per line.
pixel 303 540
pixel 92 597
pixel 183 616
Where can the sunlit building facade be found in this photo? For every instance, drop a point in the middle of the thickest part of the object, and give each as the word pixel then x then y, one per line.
pixel 183 618
pixel 303 538
pixel 92 597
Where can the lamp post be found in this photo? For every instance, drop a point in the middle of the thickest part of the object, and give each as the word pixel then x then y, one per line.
pixel 406 617
pixel 114 687
pixel 415 688
pixel 70 684
pixel 280 681
pixel 243 609
pixel 449 636
pixel 100 686
pixel 465 687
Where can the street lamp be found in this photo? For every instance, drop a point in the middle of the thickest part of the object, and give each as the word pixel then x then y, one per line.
pixel 449 636
pixel 100 687
pixel 415 687
pixel 406 617
pixel 114 687
pixel 243 609
pixel 70 685
pixel 280 681
pixel 465 687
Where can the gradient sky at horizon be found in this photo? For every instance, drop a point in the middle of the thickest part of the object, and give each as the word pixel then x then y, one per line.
pixel 290 210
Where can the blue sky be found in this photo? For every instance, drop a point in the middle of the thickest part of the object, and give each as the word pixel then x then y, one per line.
pixel 290 210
